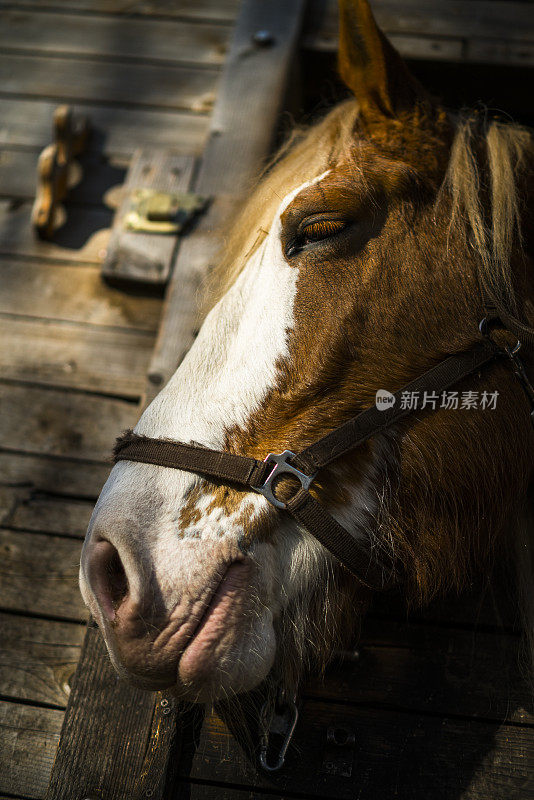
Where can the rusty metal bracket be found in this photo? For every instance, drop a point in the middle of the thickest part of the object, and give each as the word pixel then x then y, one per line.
pixel 152 211
pixel 57 170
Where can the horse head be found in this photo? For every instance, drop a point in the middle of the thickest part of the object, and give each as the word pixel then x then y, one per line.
pixel 354 267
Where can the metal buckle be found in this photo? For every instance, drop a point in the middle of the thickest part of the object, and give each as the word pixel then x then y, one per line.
pixel 280 467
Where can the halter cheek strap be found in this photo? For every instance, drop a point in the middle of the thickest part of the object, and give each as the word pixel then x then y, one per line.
pixel 374 570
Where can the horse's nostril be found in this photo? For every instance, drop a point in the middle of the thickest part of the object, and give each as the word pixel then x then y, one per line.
pixel 107 577
pixel 118 584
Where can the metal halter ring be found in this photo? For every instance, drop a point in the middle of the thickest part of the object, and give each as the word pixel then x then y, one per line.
pixel 281 467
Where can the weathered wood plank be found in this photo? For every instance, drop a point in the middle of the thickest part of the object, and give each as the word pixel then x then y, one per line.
pixel 492 19
pixel 28 741
pixel 75 356
pixel 114 742
pixel 54 422
pixel 222 10
pixel 44 474
pixel 429 669
pixel 203 791
pixel 38 658
pixel 39 575
pixel 115 129
pixel 22 509
pixel 173 87
pixel 500 51
pixel 428 47
pixel 488 603
pixel 83 240
pixel 393 755
pixel 145 257
pixel 118 36
pixel 73 293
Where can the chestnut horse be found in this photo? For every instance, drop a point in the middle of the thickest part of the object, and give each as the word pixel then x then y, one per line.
pixel 355 266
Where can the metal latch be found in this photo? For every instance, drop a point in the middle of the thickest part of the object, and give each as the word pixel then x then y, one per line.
pixel 151 211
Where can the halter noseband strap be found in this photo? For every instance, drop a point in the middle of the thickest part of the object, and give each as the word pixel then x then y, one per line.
pixel 261 476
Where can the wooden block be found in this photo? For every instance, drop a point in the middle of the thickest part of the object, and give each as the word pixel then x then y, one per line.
pixel 146 257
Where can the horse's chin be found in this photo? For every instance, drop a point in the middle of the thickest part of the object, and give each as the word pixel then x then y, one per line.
pixel 231 651
pixel 221 662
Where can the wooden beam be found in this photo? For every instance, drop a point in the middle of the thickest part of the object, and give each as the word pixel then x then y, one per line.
pixel 135 256
pixel 105 732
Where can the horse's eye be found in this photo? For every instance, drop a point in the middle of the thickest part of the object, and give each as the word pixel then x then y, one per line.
pixel 322 229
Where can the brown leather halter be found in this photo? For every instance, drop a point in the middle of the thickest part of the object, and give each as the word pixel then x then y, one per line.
pixel 374 570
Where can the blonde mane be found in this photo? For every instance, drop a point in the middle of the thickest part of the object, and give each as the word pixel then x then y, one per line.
pixel 486 168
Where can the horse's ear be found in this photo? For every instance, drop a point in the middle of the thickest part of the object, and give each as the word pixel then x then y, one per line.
pixel 371 67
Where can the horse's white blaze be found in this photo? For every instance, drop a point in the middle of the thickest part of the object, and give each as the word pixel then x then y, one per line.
pixel 229 370
pixel 233 363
